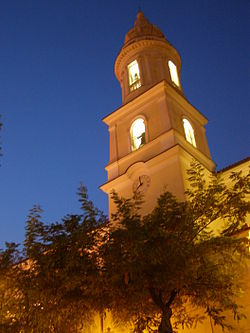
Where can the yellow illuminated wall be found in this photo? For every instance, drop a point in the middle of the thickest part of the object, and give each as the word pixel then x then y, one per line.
pixel 156 134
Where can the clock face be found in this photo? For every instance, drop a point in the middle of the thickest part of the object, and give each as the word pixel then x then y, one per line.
pixel 141 184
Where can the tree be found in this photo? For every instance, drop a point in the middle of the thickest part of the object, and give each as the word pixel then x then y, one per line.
pixel 8 258
pixel 182 256
pixel 51 287
pixel 147 270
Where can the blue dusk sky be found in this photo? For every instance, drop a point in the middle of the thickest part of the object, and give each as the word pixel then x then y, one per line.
pixel 57 83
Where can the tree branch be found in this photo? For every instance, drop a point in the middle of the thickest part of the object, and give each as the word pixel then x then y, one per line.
pixel 172 297
pixel 157 298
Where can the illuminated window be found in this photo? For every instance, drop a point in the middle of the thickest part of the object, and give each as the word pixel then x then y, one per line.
pixel 137 134
pixel 134 76
pixel 173 73
pixel 189 132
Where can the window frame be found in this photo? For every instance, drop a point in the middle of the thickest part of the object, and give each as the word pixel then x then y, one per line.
pixel 189 132
pixel 174 76
pixel 131 145
pixel 136 84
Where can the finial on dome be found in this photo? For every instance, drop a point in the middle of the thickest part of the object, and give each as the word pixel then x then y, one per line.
pixel 140 16
pixel 143 29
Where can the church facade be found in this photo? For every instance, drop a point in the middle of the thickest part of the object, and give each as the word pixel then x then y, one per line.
pixel 155 134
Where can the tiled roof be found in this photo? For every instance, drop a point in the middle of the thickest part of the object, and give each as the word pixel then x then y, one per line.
pixel 234 164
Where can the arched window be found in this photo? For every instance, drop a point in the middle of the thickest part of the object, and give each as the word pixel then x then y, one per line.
pixel 137 134
pixel 173 73
pixel 189 132
pixel 134 76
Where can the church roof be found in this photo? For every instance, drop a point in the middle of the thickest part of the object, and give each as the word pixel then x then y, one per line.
pixel 143 29
pixel 231 166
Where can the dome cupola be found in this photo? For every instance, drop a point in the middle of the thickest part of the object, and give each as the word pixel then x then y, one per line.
pixel 146 59
pixel 143 30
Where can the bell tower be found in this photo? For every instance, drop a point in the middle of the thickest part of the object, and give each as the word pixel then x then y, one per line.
pixel 156 132
pixel 145 59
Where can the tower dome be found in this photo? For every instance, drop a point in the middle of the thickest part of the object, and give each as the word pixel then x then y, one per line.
pixel 145 59
pixel 143 30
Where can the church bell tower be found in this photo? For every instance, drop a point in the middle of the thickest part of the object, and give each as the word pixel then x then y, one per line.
pixel 156 132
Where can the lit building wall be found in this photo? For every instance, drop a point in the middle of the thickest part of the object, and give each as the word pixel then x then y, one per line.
pixel 148 69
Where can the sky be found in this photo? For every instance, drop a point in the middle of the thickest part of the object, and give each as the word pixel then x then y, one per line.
pixel 57 83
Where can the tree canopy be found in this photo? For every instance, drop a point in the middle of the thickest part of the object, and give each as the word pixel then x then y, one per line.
pixel 149 271
pixel 49 285
pixel 183 255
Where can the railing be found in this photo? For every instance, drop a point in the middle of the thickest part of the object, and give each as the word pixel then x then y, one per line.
pixel 135 85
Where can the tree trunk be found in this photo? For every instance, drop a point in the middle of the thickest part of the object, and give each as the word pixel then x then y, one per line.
pixel 165 325
pixel 101 321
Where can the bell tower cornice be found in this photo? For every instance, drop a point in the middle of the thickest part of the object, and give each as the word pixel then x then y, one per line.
pixel 128 51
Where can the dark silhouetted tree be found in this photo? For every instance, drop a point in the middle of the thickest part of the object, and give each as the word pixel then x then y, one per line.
pixel 52 287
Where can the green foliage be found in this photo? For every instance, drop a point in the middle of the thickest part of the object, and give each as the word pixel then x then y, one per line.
pixel 52 290
pixel 167 269
pixel 183 255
